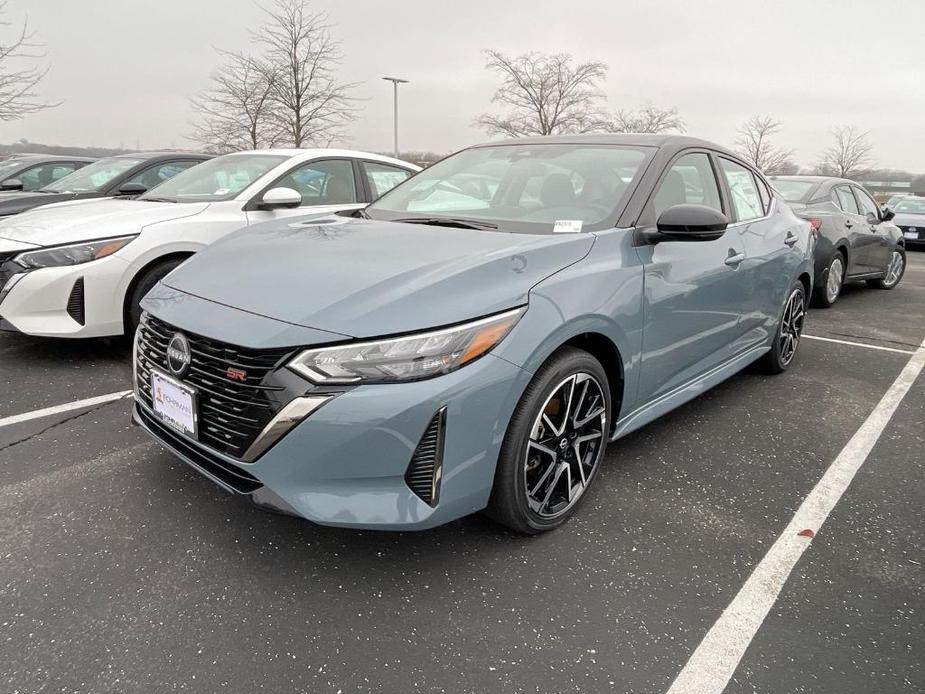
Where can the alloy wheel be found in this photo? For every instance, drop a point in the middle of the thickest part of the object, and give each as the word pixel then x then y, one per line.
pixel 791 326
pixel 565 445
pixel 895 269
pixel 834 281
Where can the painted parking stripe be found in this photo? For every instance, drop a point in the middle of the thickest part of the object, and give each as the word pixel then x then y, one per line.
pixel 67 407
pixel 715 660
pixel 859 344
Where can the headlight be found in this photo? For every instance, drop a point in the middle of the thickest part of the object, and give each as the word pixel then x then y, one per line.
pixel 409 358
pixel 75 254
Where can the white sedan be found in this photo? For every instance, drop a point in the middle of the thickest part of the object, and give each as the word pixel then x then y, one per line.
pixel 79 269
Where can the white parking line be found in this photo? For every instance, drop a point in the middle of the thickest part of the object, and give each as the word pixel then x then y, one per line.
pixel 859 344
pixel 716 658
pixel 67 407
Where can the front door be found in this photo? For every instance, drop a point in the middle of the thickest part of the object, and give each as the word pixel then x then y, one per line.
pixel 856 230
pixel 880 245
pixel 693 289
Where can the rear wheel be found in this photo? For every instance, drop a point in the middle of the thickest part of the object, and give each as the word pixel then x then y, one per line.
pixel 554 444
pixel 894 271
pixel 144 284
pixel 827 292
pixel 789 330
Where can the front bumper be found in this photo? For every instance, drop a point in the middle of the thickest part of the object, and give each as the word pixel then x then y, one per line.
pixel 345 464
pixel 38 304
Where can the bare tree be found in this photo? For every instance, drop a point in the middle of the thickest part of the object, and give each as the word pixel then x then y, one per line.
pixel 545 95
pixel 234 112
pixel 648 119
pixel 19 76
pixel 310 106
pixel 755 145
pixel 850 155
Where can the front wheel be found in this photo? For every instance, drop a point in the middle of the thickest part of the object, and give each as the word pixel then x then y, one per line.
pixel 144 284
pixel 789 330
pixel 894 271
pixel 554 444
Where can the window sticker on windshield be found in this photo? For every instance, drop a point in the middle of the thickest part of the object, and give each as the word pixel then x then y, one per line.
pixel 567 226
pixel 221 191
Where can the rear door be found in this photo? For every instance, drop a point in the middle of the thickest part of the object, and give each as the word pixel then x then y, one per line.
pixel 856 230
pixel 880 245
pixel 693 289
pixel 767 238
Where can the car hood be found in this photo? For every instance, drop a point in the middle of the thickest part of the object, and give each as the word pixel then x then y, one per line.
pixel 366 278
pixel 71 222
pixel 909 220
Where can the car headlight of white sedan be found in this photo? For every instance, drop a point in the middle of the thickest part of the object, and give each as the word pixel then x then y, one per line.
pixel 74 254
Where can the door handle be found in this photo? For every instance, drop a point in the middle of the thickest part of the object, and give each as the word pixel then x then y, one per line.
pixel 733 259
pixel 791 239
pixel 849 223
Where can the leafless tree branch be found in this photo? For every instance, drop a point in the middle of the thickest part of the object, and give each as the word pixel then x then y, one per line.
pixel 648 119
pixel 755 145
pixel 19 76
pixel 850 155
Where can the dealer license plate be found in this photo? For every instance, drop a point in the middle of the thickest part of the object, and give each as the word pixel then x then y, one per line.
pixel 175 403
pixel 911 234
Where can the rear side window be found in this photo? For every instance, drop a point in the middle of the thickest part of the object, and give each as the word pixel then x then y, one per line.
pixel 765 194
pixel 868 206
pixel 744 190
pixel 690 180
pixel 845 200
pixel 40 176
pixel 382 177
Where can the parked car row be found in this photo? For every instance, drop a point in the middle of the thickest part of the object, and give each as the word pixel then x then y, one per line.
pixel 471 338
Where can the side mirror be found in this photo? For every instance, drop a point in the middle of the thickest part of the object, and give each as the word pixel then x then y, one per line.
pixel 887 214
pixel 11 184
pixel 132 189
pixel 280 198
pixel 690 223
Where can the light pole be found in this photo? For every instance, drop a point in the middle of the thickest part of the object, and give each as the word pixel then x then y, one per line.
pixel 395 82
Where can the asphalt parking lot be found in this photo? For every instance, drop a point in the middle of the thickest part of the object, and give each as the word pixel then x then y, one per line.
pixel 122 570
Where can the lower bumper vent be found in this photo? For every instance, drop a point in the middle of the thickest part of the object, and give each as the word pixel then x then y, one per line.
pixel 424 471
pixel 75 303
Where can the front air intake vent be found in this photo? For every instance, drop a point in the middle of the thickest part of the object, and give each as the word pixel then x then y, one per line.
pixel 423 475
pixel 75 303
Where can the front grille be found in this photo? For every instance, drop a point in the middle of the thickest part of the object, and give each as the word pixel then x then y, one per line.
pixel 75 302
pixel 424 471
pixel 237 479
pixel 232 413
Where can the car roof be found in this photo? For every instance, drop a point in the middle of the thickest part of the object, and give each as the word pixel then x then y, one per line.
pixel 33 157
pixel 814 179
pixel 148 156
pixel 305 154
pixel 662 141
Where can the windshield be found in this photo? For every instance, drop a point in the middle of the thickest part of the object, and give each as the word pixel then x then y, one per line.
pixel 93 177
pixel 793 191
pixel 218 179
pixel 910 206
pixel 525 188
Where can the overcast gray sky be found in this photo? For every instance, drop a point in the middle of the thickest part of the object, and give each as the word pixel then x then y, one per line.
pixel 124 68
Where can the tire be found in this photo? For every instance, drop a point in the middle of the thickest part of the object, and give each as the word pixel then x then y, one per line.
pixel 543 474
pixel 142 285
pixel 789 330
pixel 894 271
pixel 827 293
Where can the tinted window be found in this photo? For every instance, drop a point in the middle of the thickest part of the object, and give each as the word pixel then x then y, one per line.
pixel 845 200
pixel 793 191
pixel 95 176
pixel 156 175
pixel 382 177
pixel 868 206
pixel 327 182
pixel 689 180
pixel 218 179
pixel 745 197
pixel 522 187
pixel 45 174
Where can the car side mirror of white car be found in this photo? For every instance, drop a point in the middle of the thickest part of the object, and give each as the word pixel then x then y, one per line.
pixel 690 223
pixel 277 198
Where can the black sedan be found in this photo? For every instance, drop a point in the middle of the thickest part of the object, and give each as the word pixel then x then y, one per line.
pixel 122 175
pixel 28 172
pixel 910 218
pixel 855 239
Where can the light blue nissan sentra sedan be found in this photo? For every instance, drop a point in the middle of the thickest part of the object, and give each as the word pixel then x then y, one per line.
pixel 475 338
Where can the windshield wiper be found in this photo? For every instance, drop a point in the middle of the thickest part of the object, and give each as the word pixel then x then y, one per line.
pixel 155 198
pixel 448 222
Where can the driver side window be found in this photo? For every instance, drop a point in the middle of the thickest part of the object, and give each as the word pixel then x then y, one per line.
pixel 325 182
pixel 690 180
pixel 868 206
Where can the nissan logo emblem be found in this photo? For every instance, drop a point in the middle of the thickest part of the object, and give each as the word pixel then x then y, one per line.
pixel 178 354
